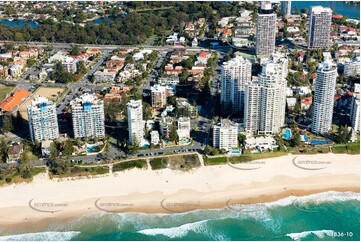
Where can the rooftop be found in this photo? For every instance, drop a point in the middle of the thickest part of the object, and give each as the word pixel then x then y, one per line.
pixel 15 99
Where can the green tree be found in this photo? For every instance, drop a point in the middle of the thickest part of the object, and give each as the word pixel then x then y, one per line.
pixel 75 50
pixel 54 151
pixel 58 166
pixel 68 148
pixel 59 74
pixel 242 139
pixel 4 151
pixel 6 124
pixel 30 62
pixel 173 135
pixel 81 68
pixel 343 135
pixel 147 111
pixel 296 138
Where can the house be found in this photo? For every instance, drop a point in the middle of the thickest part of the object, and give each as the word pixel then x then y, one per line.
pixel 15 151
pixel 45 147
pixel 115 97
pixel 203 57
pixel 154 137
pixel 15 70
pixel 261 143
pixel 168 80
pixel 301 56
pixel 27 54
pixel 93 51
pixel 100 76
pixel 81 57
pixel 343 101
pixel 4 71
pixel 175 71
pixel 306 103
pixel 303 90
pixel 337 16
pixel 20 61
pixel 291 102
pixel 114 65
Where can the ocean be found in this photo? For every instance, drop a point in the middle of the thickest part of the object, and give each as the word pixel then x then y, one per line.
pixel 340 7
pixel 324 216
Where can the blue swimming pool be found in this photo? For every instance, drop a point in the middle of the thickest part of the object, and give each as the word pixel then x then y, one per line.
pixel 92 148
pixel 235 152
pixel 166 142
pixel 287 134
pixel 318 142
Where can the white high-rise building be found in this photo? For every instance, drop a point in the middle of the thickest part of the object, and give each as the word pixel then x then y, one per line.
pixel 135 122
pixel 266 30
pixel 225 135
pixel 265 97
pixel 319 28
pixel 159 96
pixel 184 127
pixel 324 95
pixel 352 67
pixel 235 74
pixel 286 7
pixel 355 109
pixel 42 118
pixel 88 116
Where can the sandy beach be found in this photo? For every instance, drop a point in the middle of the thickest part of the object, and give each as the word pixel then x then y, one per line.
pixel 167 191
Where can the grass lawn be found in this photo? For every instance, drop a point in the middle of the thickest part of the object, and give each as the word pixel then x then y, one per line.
pixel 339 149
pixel 176 162
pixel 158 163
pixel 350 148
pixel 215 161
pixel 311 150
pixel 5 90
pixel 13 175
pixel 84 171
pixel 353 148
pixel 183 162
pixel 250 157
pixel 130 165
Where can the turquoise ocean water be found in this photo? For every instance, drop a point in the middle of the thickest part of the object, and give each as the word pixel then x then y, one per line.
pixel 316 217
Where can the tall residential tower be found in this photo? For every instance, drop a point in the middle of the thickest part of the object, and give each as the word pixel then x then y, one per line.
pixel 266 30
pixel 88 116
pixel 135 122
pixel 235 74
pixel 319 28
pixel 324 95
pixel 286 7
pixel 43 121
pixel 265 97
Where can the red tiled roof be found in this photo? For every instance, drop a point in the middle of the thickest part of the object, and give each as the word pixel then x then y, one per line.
pixel 337 97
pixel 306 100
pixel 337 16
pixel 203 54
pixel 301 53
pixel 15 99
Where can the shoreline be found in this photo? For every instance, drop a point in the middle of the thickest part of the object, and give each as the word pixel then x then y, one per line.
pixel 168 191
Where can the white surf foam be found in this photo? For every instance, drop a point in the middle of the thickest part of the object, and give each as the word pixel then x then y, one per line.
pixel 319 233
pixel 199 227
pixel 41 236
pixel 323 197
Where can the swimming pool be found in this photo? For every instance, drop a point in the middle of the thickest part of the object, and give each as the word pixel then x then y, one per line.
pixel 318 142
pixel 92 148
pixel 287 134
pixel 235 152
